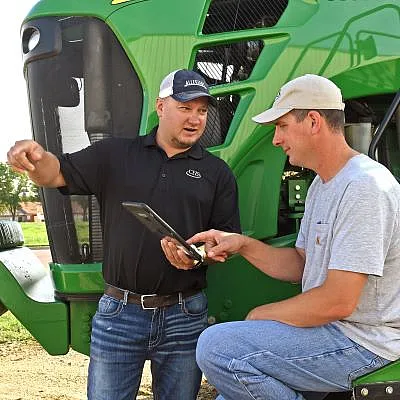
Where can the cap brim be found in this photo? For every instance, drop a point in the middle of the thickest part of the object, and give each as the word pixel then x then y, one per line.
pixel 271 115
pixel 188 96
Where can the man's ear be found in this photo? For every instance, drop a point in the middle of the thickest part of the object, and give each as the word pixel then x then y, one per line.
pixel 159 106
pixel 316 121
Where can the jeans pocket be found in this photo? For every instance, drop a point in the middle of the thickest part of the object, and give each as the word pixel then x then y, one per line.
pixel 374 363
pixel 195 306
pixel 109 307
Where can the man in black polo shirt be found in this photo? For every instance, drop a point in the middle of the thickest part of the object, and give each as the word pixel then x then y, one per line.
pixel 150 310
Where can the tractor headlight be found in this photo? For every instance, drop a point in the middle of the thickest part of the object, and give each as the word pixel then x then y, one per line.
pixel 30 39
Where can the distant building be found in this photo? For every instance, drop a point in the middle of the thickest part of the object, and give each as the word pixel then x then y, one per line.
pixel 30 211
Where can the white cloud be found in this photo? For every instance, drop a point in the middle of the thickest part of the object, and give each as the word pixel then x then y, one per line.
pixel 15 122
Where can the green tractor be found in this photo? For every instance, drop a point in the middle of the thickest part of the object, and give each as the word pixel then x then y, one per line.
pixel 92 70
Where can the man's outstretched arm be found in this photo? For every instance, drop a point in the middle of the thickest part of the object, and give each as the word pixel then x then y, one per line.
pixel 286 264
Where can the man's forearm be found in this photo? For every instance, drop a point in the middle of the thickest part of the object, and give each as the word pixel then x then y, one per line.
pixel 305 310
pixel 281 263
pixel 334 300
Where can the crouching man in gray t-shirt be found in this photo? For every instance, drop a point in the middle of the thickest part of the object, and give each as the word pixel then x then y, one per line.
pixel 346 321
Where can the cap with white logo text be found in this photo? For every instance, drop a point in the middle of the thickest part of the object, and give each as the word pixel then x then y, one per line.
pixel 307 92
pixel 184 85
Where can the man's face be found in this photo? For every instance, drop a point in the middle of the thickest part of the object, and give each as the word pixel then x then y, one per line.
pixel 181 124
pixel 294 138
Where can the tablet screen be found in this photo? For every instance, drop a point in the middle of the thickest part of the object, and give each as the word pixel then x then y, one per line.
pixel 148 217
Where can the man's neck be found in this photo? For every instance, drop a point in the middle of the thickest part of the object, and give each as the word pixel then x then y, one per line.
pixel 169 149
pixel 333 161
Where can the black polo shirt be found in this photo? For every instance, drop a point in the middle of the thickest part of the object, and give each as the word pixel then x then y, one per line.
pixel 193 191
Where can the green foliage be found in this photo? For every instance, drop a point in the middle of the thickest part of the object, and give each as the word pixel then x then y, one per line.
pixel 14 188
pixel 33 194
pixel 83 202
pixel 11 329
pixel 82 230
pixel 35 234
pixel 3 208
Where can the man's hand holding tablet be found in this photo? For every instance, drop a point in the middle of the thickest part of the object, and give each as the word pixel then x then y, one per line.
pixel 176 249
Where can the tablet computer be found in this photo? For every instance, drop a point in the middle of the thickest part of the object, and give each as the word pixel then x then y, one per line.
pixel 148 217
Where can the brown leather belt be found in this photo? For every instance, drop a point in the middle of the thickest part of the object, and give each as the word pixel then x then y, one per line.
pixel 148 301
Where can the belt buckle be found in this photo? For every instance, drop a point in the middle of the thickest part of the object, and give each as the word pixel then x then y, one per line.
pixel 142 297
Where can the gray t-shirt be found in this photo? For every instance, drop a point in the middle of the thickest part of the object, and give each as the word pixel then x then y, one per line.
pixel 351 223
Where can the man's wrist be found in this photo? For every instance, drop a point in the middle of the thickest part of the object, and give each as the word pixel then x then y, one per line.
pixel 244 244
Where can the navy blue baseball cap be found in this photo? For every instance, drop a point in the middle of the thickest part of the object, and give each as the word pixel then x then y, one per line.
pixel 184 85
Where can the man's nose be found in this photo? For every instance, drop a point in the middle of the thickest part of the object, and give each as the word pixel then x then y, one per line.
pixel 276 140
pixel 194 117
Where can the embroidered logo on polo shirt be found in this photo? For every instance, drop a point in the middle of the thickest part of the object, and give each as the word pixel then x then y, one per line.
pixel 193 174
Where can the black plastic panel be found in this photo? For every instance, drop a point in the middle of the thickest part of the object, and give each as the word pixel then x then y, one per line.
pixel 235 15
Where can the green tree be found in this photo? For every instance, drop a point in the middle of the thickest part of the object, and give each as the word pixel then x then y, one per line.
pixel 83 202
pixel 33 193
pixel 14 188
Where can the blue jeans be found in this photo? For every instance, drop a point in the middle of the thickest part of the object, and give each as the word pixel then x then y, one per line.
pixel 124 336
pixel 270 360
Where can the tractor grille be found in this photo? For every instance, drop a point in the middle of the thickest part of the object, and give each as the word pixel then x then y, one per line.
pixel 228 62
pixel 218 120
pixel 236 15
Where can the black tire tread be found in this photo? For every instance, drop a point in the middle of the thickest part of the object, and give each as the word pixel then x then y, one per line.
pixel 11 235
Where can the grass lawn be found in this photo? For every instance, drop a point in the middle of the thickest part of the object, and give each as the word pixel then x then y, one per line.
pixel 35 233
pixel 11 329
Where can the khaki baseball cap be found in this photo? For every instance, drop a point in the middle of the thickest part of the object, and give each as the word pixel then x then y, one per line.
pixel 307 92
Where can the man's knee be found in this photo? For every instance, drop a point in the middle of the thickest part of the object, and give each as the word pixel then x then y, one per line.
pixel 202 348
pixel 208 345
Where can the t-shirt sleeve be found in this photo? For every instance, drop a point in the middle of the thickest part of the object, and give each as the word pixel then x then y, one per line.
pixel 301 236
pixel 83 170
pixel 361 229
pixel 305 221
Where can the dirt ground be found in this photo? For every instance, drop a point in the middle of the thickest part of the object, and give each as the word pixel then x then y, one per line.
pixel 27 372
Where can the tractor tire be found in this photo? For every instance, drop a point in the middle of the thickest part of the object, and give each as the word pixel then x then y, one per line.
pixel 11 235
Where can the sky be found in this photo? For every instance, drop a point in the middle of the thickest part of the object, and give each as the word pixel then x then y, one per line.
pixel 13 99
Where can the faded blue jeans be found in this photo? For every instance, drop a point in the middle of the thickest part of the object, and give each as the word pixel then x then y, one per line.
pixel 269 360
pixel 124 336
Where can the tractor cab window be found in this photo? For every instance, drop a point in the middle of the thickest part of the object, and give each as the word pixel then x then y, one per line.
pixel 82 88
